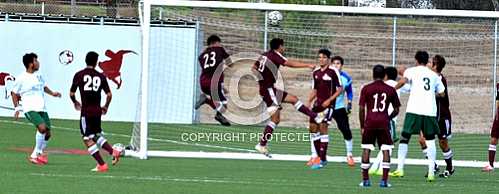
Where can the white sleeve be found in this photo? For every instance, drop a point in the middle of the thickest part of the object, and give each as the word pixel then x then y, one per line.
pixel 408 74
pixel 405 89
pixel 440 86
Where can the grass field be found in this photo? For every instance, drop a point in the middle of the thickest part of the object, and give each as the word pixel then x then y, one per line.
pixel 69 173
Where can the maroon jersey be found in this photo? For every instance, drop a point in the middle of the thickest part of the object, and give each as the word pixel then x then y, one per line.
pixel 325 83
pixel 90 83
pixel 268 65
pixel 376 97
pixel 209 60
pixel 443 111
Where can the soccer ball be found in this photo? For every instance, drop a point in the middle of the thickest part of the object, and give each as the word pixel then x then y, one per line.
pixel 66 57
pixel 118 147
pixel 274 18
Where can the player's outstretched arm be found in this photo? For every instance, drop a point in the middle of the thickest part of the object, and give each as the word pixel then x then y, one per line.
pixel 401 83
pixel 228 62
pixel 297 64
pixel 50 92
pixel 108 101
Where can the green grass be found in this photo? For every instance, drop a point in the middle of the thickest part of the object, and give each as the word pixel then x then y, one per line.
pixel 70 173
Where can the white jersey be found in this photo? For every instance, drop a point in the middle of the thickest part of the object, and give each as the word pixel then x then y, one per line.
pixel 424 85
pixel 30 86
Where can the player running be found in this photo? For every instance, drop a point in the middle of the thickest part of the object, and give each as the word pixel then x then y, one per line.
pixel 421 111
pixel 342 108
pixel 326 87
pixel 494 135
pixel 266 69
pixel 91 83
pixel 376 97
pixel 212 61
pixel 28 90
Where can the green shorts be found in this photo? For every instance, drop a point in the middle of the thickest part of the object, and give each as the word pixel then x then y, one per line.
pixel 415 123
pixel 38 118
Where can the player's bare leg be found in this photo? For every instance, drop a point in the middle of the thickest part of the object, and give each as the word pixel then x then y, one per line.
pixel 365 168
pixel 447 153
pixel 314 144
pixel 385 165
pixel 492 155
pixel 93 150
pixel 102 143
pixel 299 106
pixel 262 147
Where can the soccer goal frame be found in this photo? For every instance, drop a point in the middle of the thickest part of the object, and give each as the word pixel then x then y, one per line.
pixel 145 21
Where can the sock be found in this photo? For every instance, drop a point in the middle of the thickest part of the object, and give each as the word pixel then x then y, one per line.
pixel 305 110
pixel 102 142
pixel 448 159
pixel 94 151
pixel 402 153
pixel 377 161
pixel 324 141
pixel 267 133
pixel 365 170
pixel 492 154
pixel 386 168
pixel 349 147
pixel 39 139
pixel 312 146
pixel 432 155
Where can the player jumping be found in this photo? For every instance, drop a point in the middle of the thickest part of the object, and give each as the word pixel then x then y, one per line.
pixel 91 83
pixel 266 69
pixel 30 86
pixel 212 61
pixel 326 87
pixel 374 125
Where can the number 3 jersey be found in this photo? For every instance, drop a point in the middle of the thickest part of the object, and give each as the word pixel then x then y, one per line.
pixel 424 85
pixel 90 82
pixel 376 98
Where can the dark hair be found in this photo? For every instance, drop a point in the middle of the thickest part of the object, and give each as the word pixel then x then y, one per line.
pixel 391 73
pixel 29 58
pixel 337 58
pixel 91 58
pixel 326 52
pixel 422 57
pixel 275 43
pixel 439 61
pixel 213 39
pixel 378 72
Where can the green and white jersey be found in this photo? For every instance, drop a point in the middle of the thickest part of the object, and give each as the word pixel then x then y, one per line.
pixel 424 85
pixel 30 86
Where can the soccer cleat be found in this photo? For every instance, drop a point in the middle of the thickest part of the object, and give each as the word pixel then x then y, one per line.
pixel 35 161
pixel 430 178
pixel 350 161
pixel 397 173
pixel 322 164
pixel 221 119
pixel 436 169
pixel 384 184
pixel 200 102
pixel 116 156
pixel 488 168
pixel 43 159
pixel 100 168
pixel 365 183
pixel 262 150
pixel 446 173
pixel 314 160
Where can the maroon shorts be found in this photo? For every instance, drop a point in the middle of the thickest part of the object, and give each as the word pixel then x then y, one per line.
pixel 272 96
pixel 217 95
pixel 90 126
pixel 380 136
pixel 495 129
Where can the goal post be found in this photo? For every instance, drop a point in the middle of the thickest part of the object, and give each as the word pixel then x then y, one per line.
pixel 363 36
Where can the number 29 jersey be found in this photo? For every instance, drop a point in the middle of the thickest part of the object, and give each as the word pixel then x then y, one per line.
pixel 90 82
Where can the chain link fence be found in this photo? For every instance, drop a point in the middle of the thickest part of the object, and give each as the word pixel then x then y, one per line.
pixel 108 8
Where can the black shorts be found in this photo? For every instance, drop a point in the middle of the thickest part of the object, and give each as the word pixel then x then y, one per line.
pixel 90 126
pixel 372 136
pixel 444 124
pixel 272 96
pixel 218 95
